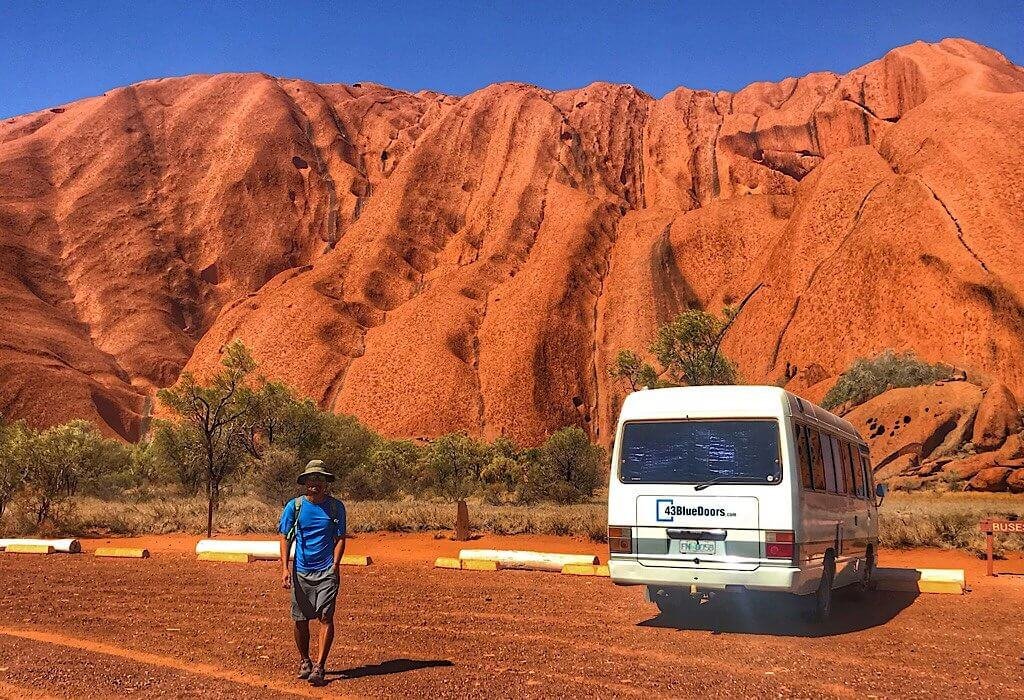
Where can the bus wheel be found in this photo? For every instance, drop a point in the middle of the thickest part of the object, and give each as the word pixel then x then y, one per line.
pixel 670 602
pixel 867 580
pixel 823 597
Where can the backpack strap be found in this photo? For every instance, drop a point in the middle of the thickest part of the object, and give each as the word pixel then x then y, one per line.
pixel 294 531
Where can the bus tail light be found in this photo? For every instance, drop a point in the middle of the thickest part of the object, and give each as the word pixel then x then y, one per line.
pixel 779 544
pixel 620 540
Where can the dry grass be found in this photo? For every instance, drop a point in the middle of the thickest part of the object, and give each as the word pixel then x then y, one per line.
pixel 246 514
pixel 947 520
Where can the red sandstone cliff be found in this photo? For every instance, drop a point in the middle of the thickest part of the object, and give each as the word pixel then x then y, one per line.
pixel 432 263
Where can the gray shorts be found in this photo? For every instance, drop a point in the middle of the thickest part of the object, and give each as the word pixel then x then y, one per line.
pixel 314 594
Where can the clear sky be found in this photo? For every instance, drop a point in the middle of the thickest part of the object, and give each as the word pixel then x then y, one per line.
pixel 55 52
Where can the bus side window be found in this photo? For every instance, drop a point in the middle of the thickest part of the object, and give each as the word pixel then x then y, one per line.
pixel 847 466
pixel 817 467
pixel 857 472
pixel 869 491
pixel 837 464
pixel 830 470
pixel 804 453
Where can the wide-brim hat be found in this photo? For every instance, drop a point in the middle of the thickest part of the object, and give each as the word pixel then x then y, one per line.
pixel 315 468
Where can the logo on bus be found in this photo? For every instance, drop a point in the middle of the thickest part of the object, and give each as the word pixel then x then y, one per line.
pixel 666 511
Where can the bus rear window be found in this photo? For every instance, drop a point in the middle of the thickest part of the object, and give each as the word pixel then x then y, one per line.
pixel 695 451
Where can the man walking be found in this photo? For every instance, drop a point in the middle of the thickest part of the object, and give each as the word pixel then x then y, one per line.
pixel 316 524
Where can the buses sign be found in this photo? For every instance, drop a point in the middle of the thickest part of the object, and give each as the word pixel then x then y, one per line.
pixel 1002 527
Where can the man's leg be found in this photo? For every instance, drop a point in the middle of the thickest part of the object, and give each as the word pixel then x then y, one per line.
pixel 302 638
pixel 326 638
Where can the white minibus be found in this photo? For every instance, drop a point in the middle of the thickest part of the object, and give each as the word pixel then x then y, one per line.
pixel 717 488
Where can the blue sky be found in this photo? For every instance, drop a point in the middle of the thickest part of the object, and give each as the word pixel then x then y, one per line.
pixel 56 52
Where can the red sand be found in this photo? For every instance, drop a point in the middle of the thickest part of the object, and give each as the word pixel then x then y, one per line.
pixel 172 625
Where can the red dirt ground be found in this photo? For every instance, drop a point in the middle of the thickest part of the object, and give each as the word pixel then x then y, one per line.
pixel 172 626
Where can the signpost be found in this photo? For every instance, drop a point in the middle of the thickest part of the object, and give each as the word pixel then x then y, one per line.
pixel 992 527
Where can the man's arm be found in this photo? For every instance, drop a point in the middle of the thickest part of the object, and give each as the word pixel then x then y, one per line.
pixel 339 551
pixel 286 573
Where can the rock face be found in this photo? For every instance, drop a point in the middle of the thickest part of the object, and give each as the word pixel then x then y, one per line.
pixel 926 421
pixel 998 417
pixel 990 479
pixel 432 263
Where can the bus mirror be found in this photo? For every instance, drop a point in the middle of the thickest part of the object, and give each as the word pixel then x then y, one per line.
pixel 880 491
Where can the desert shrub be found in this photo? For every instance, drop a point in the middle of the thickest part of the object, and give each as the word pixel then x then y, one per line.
pixel 453 464
pixel 868 378
pixel 340 441
pixel 390 469
pixel 688 348
pixel 567 469
pixel 14 466
pixel 178 455
pixel 59 458
pixel 275 475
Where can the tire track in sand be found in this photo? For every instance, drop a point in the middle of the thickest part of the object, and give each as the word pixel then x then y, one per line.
pixel 200 669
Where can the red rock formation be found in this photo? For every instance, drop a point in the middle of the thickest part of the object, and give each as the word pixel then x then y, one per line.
pixel 990 479
pixel 998 417
pixel 927 421
pixel 432 263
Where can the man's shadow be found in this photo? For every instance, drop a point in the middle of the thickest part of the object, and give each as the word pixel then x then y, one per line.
pixel 386 668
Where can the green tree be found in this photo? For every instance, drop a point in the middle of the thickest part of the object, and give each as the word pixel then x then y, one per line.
pixel 631 368
pixel 390 468
pixel 687 348
pixel 13 463
pixel 178 452
pixel 270 412
pixel 217 413
pixel 275 474
pixel 453 465
pixel 570 465
pixel 59 458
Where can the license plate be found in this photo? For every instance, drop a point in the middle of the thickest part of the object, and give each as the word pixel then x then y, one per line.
pixel 697 547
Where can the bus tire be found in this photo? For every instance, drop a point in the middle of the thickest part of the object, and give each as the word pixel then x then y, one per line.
pixel 824 595
pixel 670 602
pixel 867 580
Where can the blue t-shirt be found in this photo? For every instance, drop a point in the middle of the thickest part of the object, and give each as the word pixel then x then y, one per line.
pixel 316 534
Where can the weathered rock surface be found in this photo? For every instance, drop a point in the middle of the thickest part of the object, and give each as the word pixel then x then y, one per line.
pixel 926 421
pixel 998 417
pixel 990 479
pixel 433 263
pixel 1015 482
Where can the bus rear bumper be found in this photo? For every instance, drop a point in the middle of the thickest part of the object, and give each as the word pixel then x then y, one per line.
pixel 782 579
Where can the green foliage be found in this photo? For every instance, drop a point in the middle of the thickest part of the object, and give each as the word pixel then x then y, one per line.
pixel 275 475
pixel 453 464
pixel 177 449
pixel 61 457
pixel 631 368
pixel 569 468
pixel 14 465
pixel 392 467
pixel 688 350
pixel 217 416
pixel 868 378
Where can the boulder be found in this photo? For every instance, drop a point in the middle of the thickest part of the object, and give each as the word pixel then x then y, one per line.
pixel 932 421
pixel 998 416
pixel 902 465
pixel 1015 482
pixel 990 479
